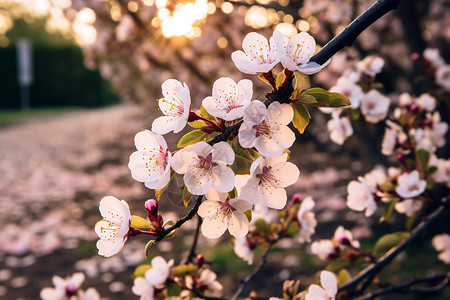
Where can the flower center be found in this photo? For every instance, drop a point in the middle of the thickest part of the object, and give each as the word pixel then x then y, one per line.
pixel 266 177
pixel 206 162
pixel 262 129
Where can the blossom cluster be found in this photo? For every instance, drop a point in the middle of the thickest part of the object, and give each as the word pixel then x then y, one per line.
pixel 69 288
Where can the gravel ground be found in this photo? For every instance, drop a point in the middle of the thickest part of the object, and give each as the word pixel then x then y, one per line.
pixel 54 170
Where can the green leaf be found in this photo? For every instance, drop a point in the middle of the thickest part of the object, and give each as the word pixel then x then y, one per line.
pixel 261 76
pixel 412 220
pixel 232 194
pixel 432 169
pixel 159 192
pixel 193 137
pixel 248 214
pixel 293 229
pixel 388 210
pixel 387 187
pixel 343 276
pixel 388 241
pixel 205 114
pixel 301 116
pixel 138 222
pixel 301 81
pixel 307 99
pixel 337 264
pixel 327 99
pixel 140 270
pixel 422 157
pixel 171 234
pixel 241 165
pixel 173 289
pixel 197 124
pixel 262 226
pixel 148 247
pixel 280 78
pixel 187 196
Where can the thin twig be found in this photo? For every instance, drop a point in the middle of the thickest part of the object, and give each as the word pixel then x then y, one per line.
pixel 192 253
pixel 181 221
pixel 255 271
pixel 351 32
pixel 439 282
pixel 390 255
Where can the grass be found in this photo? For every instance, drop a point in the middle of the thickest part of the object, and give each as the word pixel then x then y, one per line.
pixel 9 116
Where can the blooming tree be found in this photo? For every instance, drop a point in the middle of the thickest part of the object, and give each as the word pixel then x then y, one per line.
pixel 235 168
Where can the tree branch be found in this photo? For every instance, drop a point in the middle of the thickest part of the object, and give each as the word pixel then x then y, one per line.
pixel 351 32
pixel 181 221
pixel 192 253
pixel 343 39
pixel 255 271
pixel 438 283
pixel 390 255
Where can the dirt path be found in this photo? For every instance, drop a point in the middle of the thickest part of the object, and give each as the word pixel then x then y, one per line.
pixel 53 172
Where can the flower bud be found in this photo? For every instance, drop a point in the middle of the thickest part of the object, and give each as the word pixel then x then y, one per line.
pixel 200 261
pixel 414 108
pixel 152 210
pixel 297 198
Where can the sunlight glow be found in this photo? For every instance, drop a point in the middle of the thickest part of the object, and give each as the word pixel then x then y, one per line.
pixel 183 19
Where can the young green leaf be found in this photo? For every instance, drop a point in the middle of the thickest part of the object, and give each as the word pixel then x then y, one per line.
pixel 206 115
pixel 140 270
pixel 422 157
pixel 301 116
pixel 327 99
pixel 301 81
pixel 388 241
pixel 139 222
pixel 187 196
pixel 193 137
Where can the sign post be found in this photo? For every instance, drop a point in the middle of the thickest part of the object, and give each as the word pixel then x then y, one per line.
pixel 24 71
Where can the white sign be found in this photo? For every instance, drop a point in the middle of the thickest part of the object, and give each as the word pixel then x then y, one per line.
pixel 24 62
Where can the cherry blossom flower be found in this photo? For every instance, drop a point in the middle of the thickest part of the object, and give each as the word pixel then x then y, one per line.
pixel 296 52
pixel 426 102
pixel 393 137
pixel 269 177
pixel 307 220
pixel 141 287
pixel 361 196
pixel 204 167
pixel 228 99
pixel 374 106
pixel 436 132
pixel 408 207
pixel 151 163
pixel 175 106
pixel 113 229
pixel 65 289
pixel 344 237
pixel 257 57
pixel 340 128
pixel 220 213
pixel 433 56
pixel 323 249
pixel 410 185
pixel 441 243
pixel 208 282
pixel 442 174
pixel 266 128
pixel 328 290
pixel 371 65
pixel 242 249
pixel 349 89
pixel 159 272
pixel 443 77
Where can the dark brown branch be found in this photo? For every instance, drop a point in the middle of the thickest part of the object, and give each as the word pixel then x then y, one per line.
pixel 351 32
pixel 192 253
pixel 390 255
pixel 181 221
pixel 255 271
pixel 437 283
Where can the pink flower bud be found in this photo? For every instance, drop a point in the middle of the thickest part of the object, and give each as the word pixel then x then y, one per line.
pixel 296 199
pixel 415 56
pixel 200 261
pixel 401 159
pixel 414 108
pixel 152 210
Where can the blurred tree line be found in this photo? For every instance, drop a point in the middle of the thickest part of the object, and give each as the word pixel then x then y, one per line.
pixel 60 77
